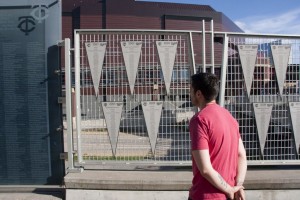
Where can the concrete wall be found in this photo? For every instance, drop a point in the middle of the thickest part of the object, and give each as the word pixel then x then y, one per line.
pixel 174 195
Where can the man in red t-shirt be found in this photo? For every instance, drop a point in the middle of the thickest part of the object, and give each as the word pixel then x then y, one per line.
pixel 218 155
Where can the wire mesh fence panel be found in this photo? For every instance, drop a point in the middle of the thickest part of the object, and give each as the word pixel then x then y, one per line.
pixel 262 86
pixel 135 103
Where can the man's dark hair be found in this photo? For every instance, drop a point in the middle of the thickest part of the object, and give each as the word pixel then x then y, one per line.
pixel 207 83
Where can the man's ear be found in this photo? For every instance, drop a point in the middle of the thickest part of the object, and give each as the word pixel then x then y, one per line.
pixel 198 93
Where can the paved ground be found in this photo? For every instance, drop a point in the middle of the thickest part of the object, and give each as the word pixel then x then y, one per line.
pixel 174 195
pixel 31 192
pixel 29 196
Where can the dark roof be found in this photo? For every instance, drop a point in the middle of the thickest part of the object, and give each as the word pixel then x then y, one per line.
pixel 69 5
pixel 177 6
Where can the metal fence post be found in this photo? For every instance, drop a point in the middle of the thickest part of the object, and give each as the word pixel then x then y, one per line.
pixel 69 104
pixel 78 93
pixel 192 52
pixel 68 86
pixel 203 47
pixel 223 70
pixel 212 47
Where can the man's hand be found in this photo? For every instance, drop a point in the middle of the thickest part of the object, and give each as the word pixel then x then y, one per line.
pixel 233 190
pixel 240 195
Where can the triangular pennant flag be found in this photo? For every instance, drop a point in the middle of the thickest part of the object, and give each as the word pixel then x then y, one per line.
pixel 248 55
pixel 112 113
pixel 281 54
pixel 262 113
pixel 152 112
pixel 295 116
pixel 167 53
pixel 95 52
pixel 131 53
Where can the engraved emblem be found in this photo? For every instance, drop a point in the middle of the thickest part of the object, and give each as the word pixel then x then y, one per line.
pixel 27 24
pixel 39 13
pixel 40 10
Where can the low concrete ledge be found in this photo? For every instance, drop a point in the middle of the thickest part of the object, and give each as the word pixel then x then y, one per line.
pixel 272 179
pixel 129 180
pixel 173 180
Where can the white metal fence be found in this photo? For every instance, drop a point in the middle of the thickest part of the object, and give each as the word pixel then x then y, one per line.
pixel 133 104
pixel 270 135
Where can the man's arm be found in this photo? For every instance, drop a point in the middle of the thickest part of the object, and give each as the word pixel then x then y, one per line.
pixel 202 160
pixel 241 171
pixel 242 164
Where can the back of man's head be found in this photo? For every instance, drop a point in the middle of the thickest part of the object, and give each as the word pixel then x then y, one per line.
pixel 207 83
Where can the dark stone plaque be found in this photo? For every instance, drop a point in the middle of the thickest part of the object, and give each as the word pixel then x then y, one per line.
pixel 24 141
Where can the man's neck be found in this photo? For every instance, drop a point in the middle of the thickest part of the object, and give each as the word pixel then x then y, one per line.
pixel 207 103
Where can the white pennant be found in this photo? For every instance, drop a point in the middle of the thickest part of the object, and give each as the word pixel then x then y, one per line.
pixel 281 54
pixel 262 116
pixel 295 116
pixel 112 113
pixel 131 53
pixel 152 113
pixel 167 53
pixel 248 55
pixel 95 52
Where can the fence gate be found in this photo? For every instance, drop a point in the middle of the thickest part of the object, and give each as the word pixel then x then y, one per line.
pixel 132 95
pixel 133 89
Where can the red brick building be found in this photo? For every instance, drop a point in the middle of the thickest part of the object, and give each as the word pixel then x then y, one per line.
pixel 131 14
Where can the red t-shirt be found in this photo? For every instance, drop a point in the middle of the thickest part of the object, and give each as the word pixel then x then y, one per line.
pixel 215 129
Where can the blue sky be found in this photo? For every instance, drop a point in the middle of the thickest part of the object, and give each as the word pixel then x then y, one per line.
pixel 257 16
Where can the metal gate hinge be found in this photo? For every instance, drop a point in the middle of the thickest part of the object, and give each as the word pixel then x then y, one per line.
pixel 63 156
pixel 57 72
pixel 61 100
pixel 61 43
pixel 60 128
